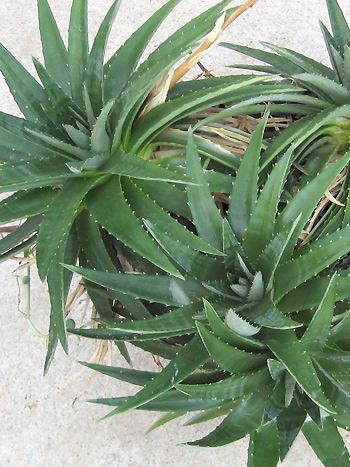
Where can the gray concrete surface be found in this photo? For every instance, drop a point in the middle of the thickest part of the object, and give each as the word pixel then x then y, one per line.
pixel 40 425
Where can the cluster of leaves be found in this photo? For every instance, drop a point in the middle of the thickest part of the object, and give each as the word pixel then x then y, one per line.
pixel 252 317
pixel 320 129
pixel 255 331
pixel 80 160
pixel 330 86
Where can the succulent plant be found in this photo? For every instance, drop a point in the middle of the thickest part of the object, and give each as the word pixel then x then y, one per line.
pixel 256 331
pixel 235 270
pixel 329 86
pixel 319 126
pixel 89 133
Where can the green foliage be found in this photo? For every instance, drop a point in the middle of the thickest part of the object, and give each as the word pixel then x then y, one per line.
pixel 322 125
pixel 226 266
pixel 274 367
pixel 331 84
pixel 83 146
